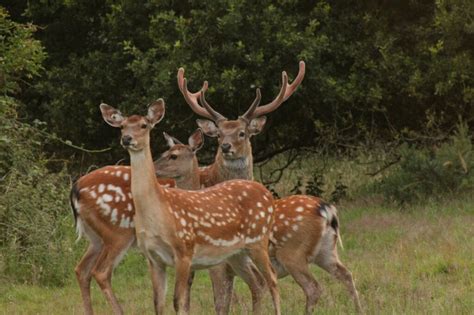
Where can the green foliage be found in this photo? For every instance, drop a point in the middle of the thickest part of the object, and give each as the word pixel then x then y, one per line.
pixel 35 228
pixel 21 55
pixel 434 172
pixel 373 69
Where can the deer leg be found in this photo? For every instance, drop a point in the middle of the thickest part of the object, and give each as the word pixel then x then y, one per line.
pixel 158 280
pixel 244 268
pixel 83 274
pixel 328 260
pixel 190 283
pixel 297 267
pixel 102 272
pixel 340 272
pixel 222 278
pixel 183 272
pixel 259 254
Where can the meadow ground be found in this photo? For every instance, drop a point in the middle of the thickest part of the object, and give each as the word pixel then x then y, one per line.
pixel 406 260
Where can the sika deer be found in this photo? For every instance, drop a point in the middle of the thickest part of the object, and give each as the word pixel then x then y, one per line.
pixel 103 213
pixel 316 221
pixel 234 160
pixel 306 229
pixel 188 229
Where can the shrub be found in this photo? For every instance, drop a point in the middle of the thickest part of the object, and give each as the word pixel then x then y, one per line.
pixel 440 170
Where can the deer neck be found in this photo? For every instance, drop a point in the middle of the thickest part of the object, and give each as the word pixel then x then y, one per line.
pixel 241 168
pixel 191 182
pixel 151 207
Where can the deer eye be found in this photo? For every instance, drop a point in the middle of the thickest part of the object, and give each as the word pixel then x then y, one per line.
pixel 173 157
pixel 242 134
pixel 144 126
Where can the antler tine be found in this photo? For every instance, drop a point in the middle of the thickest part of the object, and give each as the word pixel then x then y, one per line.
pixel 248 114
pixel 286 91
pixel 216 116
pixel 192 98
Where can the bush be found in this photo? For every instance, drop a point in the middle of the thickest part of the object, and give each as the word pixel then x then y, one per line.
pixel 440 170
pixel 36 233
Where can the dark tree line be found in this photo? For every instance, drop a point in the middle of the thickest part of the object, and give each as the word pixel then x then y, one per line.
pixel 375 69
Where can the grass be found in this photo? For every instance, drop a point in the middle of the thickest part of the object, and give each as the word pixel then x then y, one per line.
pixel 417 260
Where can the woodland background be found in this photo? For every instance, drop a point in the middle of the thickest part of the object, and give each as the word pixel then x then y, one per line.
pixel 385 112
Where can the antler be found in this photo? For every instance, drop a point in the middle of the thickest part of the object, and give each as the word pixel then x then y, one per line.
pixel 285 92
pixel 192 99
pixel 249 113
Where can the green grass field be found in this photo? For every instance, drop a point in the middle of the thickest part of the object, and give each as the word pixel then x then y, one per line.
pixel 413 260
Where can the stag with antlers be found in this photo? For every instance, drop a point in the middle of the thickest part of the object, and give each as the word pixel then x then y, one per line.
pixel 306 228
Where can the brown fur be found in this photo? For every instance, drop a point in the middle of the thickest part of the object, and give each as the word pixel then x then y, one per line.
pixel 109 239
pixel 302 234
pixel 196 239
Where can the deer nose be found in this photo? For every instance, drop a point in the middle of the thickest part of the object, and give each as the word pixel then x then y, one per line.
pixel 225 147
pixel 126 140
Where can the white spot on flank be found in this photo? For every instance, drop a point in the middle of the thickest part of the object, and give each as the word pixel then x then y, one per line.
pixel 130 195
pixel 105 208
pixel 180 234
pixel 219 242
pixel 244 193
pixel 107 197
pixel 113 216
pixel 281 216
pixel 299 209
pixel 125 222
pixel 101 188
pixel 299 218
pixel 262 214
pixel 126 176
pixel 129 207
pixel 295 228
pixel 118 191
pixel 270 209
pixel 118 173
pixel 259 204
pixel 183 222
pixel 93 194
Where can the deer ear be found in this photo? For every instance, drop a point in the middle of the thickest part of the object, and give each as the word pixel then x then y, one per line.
pixel 111 115
pixel 156 112
pixel 256 125
pixel 208 127
pixel 169 140
pixel 196 140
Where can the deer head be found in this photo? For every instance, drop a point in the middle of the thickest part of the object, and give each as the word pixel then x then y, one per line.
pixel 135 129
pixel 234 135
pixel 180 161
